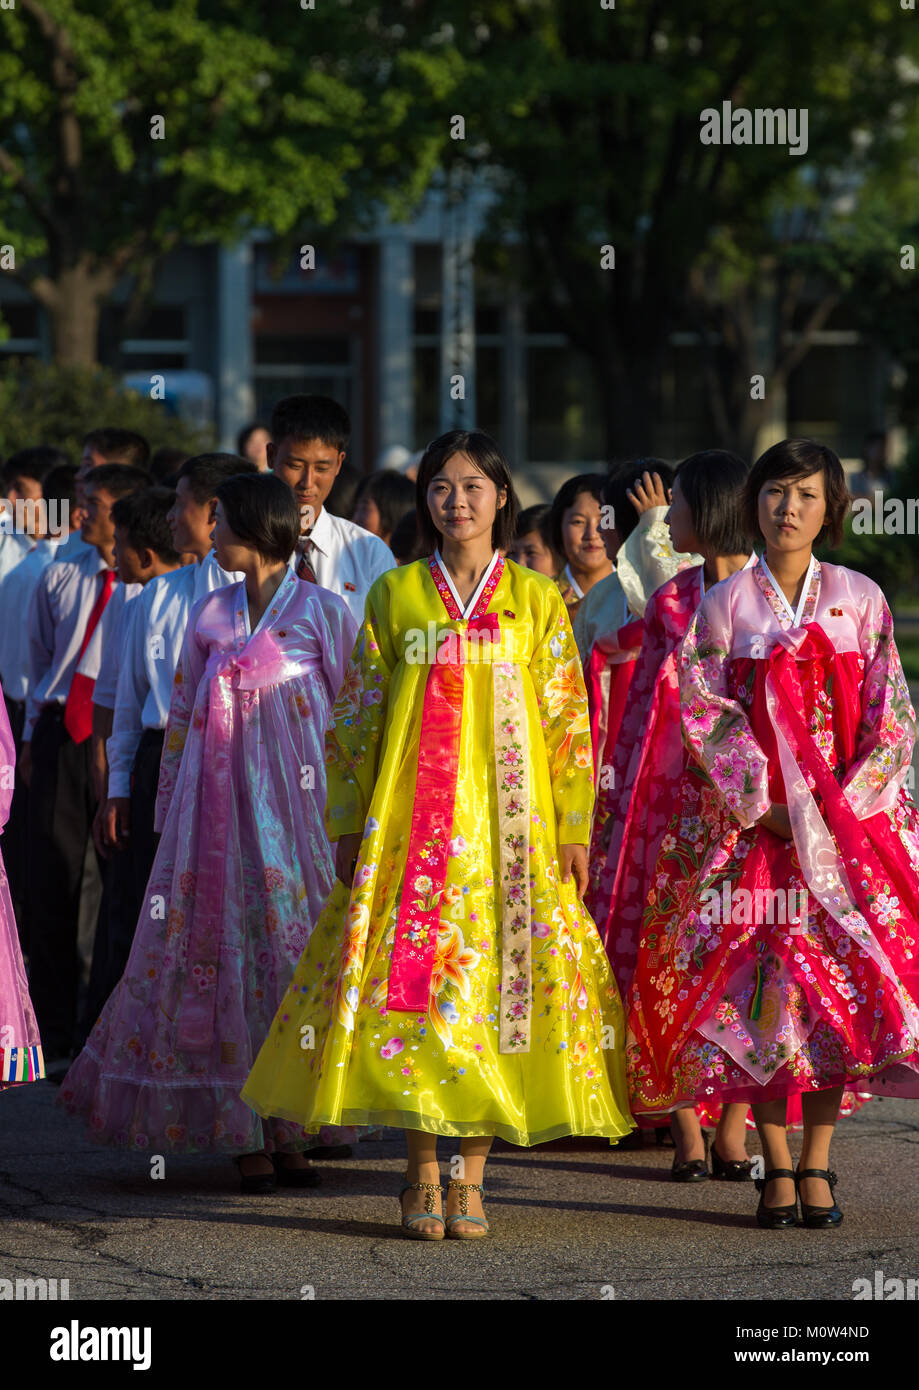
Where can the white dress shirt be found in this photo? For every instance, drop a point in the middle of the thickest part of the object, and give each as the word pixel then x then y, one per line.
pixel 150 653
pixel 16 590
pixel 105 649
pixel 347 559
pixel 61 603
pixel 14 548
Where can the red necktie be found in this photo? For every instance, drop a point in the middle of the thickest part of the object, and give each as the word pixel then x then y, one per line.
pixel 78 711
pixel 304 568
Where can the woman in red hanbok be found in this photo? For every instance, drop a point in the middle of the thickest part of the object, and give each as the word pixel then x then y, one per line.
pixel 778 951
pixel 704 518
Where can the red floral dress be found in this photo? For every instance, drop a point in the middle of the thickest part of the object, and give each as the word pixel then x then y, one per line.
pixel 768 968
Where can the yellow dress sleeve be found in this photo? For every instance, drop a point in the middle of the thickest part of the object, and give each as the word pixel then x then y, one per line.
pixel 555 669
pixel 358 720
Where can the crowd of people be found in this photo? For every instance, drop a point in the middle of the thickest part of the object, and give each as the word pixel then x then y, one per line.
pixel 337 802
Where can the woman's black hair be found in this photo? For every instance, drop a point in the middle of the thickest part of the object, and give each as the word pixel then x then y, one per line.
pixel 566 497
pixel 799 458
pixel 532 519
pixel 393 493
pixel 261 511
pixel 622 478
pixel 404 541
pixel 484 453
pixel 713 483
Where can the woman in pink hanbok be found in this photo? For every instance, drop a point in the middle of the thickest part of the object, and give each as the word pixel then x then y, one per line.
pixel 648 761
pixel 778 952
pixel 20 1044
pixel 243 866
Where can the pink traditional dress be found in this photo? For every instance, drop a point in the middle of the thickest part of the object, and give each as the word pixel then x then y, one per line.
pixel 609 630
pixel 20 1043
pixel 769 968
pixel 240 876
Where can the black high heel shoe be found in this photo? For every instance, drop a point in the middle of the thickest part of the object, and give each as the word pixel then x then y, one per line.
pixel 254 1183
pixel 694 1169
pixel 775 1218
pixel 294 1177
pixel 731 1169
pixel 818 1218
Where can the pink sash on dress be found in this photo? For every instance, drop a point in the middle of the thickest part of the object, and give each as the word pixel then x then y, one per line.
pixel 432 822
pixel 259 664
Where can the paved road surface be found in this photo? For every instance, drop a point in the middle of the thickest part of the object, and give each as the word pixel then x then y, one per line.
pixel 567 1223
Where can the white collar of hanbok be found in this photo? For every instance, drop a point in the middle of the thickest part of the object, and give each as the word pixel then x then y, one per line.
pixel 466 609
pixel 797 614
pixel 575 586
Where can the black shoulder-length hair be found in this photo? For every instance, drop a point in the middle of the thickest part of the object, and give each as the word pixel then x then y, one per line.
pixel 482 451
pixel 713 483
pixel 262 511
pixel 799 458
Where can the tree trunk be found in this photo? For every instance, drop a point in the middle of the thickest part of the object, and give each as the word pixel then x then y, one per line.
pixel 74 315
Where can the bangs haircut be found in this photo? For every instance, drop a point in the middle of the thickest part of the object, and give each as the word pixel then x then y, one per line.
pixel 566 497
pixel 714 483
pixel 483 452
pixel 623 476
pixel 142 517
pixel 118 479
pixel 311 417
pixel 205 473
pixel 262 512
pixel 790 460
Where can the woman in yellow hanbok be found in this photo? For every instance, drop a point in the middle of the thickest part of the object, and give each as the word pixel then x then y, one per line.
pixel 454 983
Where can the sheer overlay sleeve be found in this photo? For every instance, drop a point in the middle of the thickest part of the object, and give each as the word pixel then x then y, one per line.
pixel 358 720
pixel 562 697
pixel 184 688
pixel 715 728
pixel 887 728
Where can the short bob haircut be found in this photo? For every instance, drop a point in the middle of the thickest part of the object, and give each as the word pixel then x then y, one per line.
pixel 484 453
pixel 713 483
pixel 262 511
pixel 567 495
pixel 799 458
pixel 622 478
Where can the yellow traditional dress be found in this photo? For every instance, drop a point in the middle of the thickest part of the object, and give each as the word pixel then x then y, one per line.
pixel 459 987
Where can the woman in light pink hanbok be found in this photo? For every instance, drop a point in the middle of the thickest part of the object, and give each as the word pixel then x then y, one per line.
pixel 20 1044
pixel 244 865
pixel 779 952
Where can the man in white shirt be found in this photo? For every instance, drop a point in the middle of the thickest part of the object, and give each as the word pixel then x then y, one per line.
pixel 309 438
pixel 150 653
pixel 58 494
pixel 144 552
pixel 21 510
pixel 55 760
